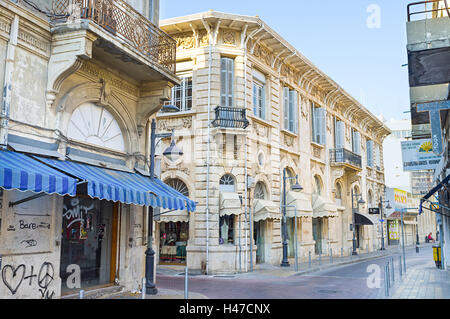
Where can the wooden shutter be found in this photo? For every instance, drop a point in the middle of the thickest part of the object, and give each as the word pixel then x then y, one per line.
pixel 291 110
pixel 230 81
pixel 223 82
pixel 369 153
pixel 263 103
pixel 255 100
pixel 296 113
pixel 286 107
pixel 339 134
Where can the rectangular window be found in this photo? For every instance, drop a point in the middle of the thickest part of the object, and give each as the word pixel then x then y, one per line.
pixel 369 148
pixel 378 156
pixel 226 82
pixel 356 142
pixel 182 95
pixel 339 134
pixel 226 229
pixel 290 110
pixel 259 100
pixel 318 124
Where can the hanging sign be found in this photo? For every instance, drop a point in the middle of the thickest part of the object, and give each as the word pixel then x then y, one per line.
pixel 418 155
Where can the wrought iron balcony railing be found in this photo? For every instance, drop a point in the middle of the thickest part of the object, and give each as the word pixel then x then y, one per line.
pixel 341 155
pixel 230 117
pixel 124 22
pixel 428 9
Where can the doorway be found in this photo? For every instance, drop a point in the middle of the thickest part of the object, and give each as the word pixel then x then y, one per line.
pixel 317 234
pixel 88 241
pixel 259 235
pixel 173 242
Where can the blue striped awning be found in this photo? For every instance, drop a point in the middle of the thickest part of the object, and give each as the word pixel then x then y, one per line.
pixel 124 187
pixel 19 171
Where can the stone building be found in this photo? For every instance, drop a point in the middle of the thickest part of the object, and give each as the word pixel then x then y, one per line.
pixel 252 107
pixel 80 84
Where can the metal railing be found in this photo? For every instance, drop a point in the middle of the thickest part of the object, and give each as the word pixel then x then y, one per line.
pixel 124 22
pixel 230 117
pixel 429 9
pixel 341 155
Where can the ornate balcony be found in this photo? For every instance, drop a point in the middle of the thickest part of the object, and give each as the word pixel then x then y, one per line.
pixel 230 117
pixel 345 157
pixel 125 24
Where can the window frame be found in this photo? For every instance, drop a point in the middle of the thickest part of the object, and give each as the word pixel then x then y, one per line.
pixel 185 98
pixel 318 122
pixel 290 110
pixel 226 81
pixel 231 229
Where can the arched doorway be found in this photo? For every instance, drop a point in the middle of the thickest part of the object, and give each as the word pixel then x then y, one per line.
pixel 174 230
pixel 259 227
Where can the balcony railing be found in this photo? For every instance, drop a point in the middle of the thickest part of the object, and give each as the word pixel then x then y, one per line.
pixel 341 155
pixel 230 117
pixel 124 22
pixel 429 9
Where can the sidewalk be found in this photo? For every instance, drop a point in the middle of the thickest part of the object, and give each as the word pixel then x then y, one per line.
pixel 423 282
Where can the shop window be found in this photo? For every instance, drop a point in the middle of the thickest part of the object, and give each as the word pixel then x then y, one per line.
pixel 173 242
pixel 226 230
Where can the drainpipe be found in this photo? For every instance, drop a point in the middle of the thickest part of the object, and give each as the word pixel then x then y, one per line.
pixel 7 86
pixel 261 27
pixel 208 29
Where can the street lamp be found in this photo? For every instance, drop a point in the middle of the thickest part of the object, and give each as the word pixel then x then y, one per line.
pixel 381 219
pixel 360 202
pixel 296 188
pixel 172 153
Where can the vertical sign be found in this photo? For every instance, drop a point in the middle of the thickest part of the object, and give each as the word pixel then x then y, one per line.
pixel 434 108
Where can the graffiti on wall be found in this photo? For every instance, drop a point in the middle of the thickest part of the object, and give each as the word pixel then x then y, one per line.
pixel 15 277
pixel 77 220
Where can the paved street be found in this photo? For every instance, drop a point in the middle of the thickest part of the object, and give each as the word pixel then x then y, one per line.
pixel 344 279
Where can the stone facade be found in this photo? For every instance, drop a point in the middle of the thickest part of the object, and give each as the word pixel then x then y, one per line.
pixel 262 150
pixel 55 68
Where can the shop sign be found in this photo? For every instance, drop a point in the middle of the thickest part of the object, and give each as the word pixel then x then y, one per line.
pixel 394 233
pixel 374 211
pixel 418 155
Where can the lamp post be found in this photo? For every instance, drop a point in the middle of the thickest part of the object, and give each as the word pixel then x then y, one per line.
pixel 295 188
pixel 360 202
pixel 172 153
pixel 381 219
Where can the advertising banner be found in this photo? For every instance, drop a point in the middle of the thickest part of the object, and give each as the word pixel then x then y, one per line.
pixel 418 155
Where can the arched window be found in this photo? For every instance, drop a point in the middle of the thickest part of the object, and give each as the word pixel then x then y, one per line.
pixel 370 202
pixel 317 185
pixel 178 185
pixel 338 194
pixel 93 124
pixel 227 184
pixel 260 191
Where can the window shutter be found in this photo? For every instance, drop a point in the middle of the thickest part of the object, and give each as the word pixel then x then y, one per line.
pixel 369 153
pixel 223 82
pixel 230 82
pixel 286 107
pixel 323 125
pixel 291 110
pixel 263 103
pixel 255 100
pixel 296 99
pixel 340 127
pixel 356 142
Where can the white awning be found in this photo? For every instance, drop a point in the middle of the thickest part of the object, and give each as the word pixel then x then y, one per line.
pixel 322 207
pixel 230 204
pixel 410 222
pixel 174 217
pixel 265 209
pixel 301 201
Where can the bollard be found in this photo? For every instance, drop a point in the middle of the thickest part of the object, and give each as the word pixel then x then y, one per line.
pixel 331 256
pixel 81 294
pixel 186 283
pixel 400 266
pixel 342 252
pixel 320 258
pixel 144 287
pixel 393 269
pixel 309 259
pixel 386 280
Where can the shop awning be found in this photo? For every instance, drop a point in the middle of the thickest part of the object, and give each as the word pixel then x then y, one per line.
pixel 301 201
pixel 230 204
pixel 124 187
pixel 173 216
pixel 265 209
pixel 19 171
pixel 323 207
pixel 363 219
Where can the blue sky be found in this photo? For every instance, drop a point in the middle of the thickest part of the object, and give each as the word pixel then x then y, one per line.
pixel 334 35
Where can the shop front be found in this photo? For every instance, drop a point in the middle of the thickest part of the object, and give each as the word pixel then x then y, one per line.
pixel 173 242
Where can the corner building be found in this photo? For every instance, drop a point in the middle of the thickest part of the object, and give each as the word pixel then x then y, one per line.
pixel 79 88
pixel 253 107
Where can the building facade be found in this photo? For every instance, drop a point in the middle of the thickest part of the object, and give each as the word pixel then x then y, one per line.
pixel 253 109
pixel 79 88
pixel 428 39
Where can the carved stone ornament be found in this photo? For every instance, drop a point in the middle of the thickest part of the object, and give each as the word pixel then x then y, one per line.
pixel 174 123
pixel 338 173
pixel 185 41
pixel 288 140
pixel 228 37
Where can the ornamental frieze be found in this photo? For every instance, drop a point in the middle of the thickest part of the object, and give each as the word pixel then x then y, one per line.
pixel 174 123
pixel 185 41
pixel 228 37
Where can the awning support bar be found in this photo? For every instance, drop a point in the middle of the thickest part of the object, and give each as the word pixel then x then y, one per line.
pixel 12 204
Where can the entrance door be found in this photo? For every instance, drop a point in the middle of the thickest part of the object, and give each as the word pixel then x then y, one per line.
pixel 87 241
pixel 259 237
pixel 317 234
